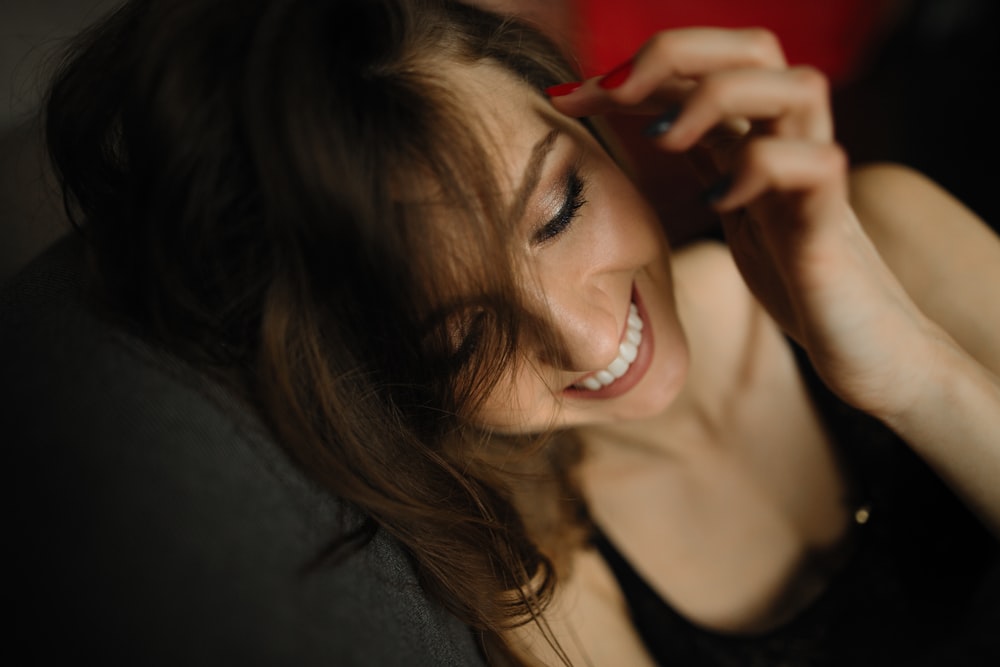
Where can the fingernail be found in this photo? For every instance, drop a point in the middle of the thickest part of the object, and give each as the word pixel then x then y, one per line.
pixel 616 77
pixel 663 123
pixel 562 89
pixel 717 191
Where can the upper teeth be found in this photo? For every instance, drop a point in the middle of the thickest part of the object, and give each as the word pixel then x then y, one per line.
pixel 627 351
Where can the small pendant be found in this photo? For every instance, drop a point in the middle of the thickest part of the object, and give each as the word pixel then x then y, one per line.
pixel 862 514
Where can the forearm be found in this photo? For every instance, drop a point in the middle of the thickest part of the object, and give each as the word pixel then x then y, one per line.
pixel 948 261
pixel 946 258
pixel 953 423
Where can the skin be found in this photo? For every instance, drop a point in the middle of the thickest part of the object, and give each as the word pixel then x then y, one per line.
pixel 582 280
pixel 808 258
pixel 866 271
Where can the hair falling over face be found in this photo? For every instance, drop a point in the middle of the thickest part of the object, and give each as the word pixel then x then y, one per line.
pixel 260 183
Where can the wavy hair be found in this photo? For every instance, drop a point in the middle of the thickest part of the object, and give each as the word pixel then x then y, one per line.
pixel 261 185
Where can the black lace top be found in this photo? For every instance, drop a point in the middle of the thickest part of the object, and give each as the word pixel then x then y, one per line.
pixel 921 588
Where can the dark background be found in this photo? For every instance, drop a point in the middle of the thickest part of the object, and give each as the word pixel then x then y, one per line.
pixel 928 98
pixel 31 32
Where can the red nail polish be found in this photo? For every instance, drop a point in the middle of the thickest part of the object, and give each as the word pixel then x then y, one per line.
pixel 616 77
pixel 562 89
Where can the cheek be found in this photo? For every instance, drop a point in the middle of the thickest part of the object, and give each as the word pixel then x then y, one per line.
pixel 633 225
pixel 620 229
pixel 520 403
pixel 617 232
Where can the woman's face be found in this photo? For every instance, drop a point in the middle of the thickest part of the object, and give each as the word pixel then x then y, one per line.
pixel 593 260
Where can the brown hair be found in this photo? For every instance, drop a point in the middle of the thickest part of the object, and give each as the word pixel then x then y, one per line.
pixel 252 176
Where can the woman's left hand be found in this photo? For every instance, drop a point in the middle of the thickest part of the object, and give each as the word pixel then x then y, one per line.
pixel 781 188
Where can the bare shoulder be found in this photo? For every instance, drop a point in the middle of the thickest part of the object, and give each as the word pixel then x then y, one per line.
pixel 706 270
pixel 712 299
pixel 918 227
pixel 725 325
pixel 946 258
pixel 896 203
pixel 881 181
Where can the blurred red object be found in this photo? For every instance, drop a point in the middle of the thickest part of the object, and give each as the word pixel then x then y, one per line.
pixel 834 36
pixel 838 37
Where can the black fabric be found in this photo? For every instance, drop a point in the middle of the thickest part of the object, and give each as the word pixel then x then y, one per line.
pixel 152 521
pixel 921 588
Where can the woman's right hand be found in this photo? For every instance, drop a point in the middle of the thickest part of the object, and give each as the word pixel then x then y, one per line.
pixel 801 248
pixel 768 130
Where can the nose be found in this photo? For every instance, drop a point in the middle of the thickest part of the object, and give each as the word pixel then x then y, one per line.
pixel 589 325
pixel 587 278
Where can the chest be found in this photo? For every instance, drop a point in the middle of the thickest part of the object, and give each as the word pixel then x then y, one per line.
pixel 736 513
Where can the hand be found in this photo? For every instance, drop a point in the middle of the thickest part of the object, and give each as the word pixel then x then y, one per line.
pixel 798 244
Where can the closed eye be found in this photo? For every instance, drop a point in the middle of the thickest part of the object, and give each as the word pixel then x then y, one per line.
pixel 567 213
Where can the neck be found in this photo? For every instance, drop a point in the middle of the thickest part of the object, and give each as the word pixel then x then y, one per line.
pixel 689 419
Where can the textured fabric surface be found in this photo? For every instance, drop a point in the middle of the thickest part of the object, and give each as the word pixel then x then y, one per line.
pixel 155 521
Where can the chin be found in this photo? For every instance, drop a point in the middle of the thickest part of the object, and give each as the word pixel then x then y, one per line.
pixel 653 395
pixel 662 384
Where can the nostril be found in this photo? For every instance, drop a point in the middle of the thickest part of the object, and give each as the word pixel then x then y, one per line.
pixel 627 352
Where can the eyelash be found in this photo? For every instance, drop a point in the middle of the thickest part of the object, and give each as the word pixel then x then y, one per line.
pixel 567 213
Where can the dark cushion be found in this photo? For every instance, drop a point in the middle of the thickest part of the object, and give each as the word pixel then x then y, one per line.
pixel 155 520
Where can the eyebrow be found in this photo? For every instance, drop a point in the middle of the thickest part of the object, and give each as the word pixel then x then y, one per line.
pixel 533 173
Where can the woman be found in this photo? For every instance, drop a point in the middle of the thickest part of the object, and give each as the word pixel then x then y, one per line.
pixel 453 309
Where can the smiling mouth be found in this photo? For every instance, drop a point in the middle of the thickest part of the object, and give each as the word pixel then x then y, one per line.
pixel 628 351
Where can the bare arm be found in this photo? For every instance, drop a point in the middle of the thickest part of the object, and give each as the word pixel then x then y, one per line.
pixel 896 314
pixel 948 262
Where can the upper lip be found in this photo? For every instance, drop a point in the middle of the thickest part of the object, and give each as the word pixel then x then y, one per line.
pixel 621 338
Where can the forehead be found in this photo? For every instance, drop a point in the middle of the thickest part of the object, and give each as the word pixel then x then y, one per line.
pixel 511 115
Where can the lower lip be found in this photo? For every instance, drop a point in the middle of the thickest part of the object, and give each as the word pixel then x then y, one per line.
pixel 635 372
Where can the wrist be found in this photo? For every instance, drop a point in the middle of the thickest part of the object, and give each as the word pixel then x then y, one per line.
pixel 951 422
pixel 949 382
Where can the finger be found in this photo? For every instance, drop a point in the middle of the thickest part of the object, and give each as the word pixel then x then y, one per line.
pixel 589 98
pixel 785 166
pixel 672 60
pixel 794 102
pixel 692 53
